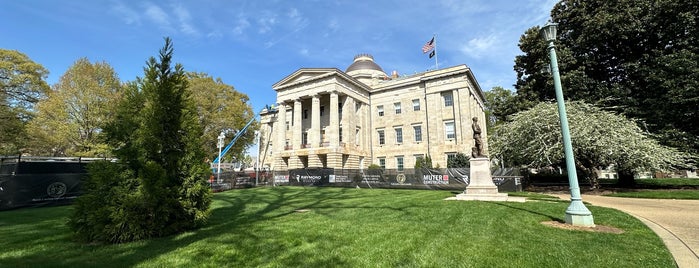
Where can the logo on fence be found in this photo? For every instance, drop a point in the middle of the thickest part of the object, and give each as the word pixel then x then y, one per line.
pixel 56 189
pixel 400 178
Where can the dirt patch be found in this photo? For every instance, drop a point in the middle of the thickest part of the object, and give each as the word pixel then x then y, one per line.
pixel 597 228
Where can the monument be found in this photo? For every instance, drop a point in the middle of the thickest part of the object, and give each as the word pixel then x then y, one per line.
pixel 481 186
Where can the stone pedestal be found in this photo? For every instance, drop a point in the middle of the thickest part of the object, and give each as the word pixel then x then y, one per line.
pixel 481 186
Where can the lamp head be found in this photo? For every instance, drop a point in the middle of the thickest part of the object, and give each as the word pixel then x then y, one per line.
pixel 548 31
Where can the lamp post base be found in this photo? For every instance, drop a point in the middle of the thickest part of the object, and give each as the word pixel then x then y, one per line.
pixel 578 215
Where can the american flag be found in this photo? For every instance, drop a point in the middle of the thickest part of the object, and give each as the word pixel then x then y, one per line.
pixel 428 46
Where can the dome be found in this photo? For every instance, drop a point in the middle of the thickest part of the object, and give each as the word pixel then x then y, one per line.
pixel 364 62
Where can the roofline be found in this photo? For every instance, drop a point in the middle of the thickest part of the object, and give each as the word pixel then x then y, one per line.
pixel 326 73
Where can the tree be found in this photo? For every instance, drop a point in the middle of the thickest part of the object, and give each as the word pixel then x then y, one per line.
pixel 459 160
pixel 636 57
pixel 22 84
pixel 499 104
pixel 158 187
pixel 600 139
pixel 220 107
pixel 425 162
pixel 70 120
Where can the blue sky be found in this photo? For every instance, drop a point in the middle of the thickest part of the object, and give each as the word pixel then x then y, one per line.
pixel 253 44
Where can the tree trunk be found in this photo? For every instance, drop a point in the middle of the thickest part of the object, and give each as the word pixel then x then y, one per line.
pixel 626 178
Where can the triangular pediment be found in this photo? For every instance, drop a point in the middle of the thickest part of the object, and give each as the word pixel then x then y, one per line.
pixel 306 75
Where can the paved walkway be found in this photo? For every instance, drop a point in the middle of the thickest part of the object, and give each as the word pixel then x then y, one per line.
pixel 675 221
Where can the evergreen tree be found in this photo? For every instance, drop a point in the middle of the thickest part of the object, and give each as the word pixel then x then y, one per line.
pixel 158 187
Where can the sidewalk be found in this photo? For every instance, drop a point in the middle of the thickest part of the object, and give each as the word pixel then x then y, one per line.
pixel 675 221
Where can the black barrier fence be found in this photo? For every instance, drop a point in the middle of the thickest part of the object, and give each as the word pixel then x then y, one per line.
pixel 507 180
pixel 40 182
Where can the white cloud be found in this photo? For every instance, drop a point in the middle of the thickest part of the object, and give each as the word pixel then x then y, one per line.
pixel 266 21
pixel 128 15
pixel 157 15
pixel 241 25
pixel 480 46
pixel 185 20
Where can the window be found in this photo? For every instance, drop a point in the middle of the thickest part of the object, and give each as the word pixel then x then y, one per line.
pixel 322 110
pixel 418 133
pixel 287 125
pixel 340 134
pixel 382 137
pixel 416 104
pixel 397 107
pixel 399 162
pixel 305 114
pixel 449 130
pixel 448 99
pixel 380 108
pixel 399 134
pixel 419 157
pixel 382 162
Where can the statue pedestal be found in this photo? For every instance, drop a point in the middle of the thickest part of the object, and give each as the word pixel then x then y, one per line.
pixel 481 186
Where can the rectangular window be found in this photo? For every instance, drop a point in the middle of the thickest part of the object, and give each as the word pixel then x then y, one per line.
pixel 448 99
pixel 399 162
pixel 397 107
pixel 419 157
pixel 418 133
pixel 380 109
pixel 340 134
pixel 322 110
pixel 416 104
pixel 449 130
pixel 382 137
pixel 382 162
pixel 399 135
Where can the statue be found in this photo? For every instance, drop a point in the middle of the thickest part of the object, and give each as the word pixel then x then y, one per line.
pixel 477 151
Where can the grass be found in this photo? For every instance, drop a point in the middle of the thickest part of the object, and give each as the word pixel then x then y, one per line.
pixel 667 183
pixel 659 194
pixel 346 227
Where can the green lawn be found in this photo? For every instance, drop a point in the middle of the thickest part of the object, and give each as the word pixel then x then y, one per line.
pixel 346 227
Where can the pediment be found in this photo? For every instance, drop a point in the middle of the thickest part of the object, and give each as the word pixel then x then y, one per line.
pixel 308 75
pixel 304 75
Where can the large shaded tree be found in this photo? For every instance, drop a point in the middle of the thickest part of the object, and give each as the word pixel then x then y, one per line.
pixel 70 120
pixel 221 108
pixel 637 57
pixel 22 84
pixel 158 187
pixel 600 139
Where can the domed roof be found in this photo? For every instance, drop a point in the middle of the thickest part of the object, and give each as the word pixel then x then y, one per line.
pixel 364 62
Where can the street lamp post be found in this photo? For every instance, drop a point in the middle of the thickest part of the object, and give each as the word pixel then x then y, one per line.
pixel 220 145
pixel 577 213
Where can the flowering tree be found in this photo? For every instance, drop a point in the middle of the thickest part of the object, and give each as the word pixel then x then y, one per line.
pixel 533 138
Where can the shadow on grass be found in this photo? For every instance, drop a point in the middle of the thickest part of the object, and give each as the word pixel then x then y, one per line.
pixel 549 216
pixel 230 238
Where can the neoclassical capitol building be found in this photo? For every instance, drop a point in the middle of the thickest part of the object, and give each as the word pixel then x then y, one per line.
pixel 328 118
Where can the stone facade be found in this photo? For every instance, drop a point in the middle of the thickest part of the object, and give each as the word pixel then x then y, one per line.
pixel 325 117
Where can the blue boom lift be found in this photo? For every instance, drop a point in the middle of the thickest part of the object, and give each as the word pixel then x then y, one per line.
pixel 242 132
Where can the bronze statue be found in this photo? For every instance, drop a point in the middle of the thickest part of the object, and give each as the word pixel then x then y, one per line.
pixel 477 151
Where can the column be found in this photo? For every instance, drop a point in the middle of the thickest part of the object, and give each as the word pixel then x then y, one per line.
pixel 297 127
pixel 350 119
pixel 280 127
pixel 314 135
pixel 333 131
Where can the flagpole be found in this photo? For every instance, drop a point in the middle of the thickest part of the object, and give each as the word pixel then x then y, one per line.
pixel 436 63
